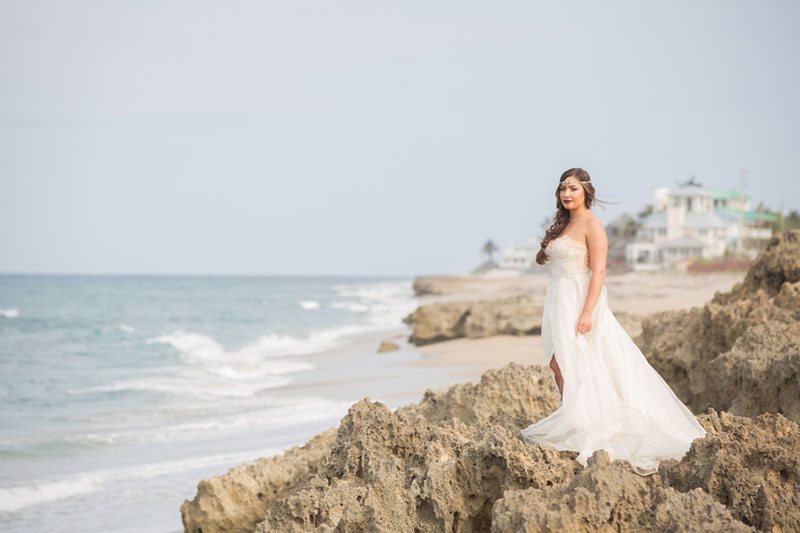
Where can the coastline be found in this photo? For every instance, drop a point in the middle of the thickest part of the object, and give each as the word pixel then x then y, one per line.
pixel 454 459
pixel 631 296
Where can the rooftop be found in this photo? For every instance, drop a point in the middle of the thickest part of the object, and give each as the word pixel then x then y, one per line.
pixel 690 190
pixel 682 242
pixel 730 194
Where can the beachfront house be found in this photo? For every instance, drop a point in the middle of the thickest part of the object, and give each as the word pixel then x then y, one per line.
pixel 692 221
pixel 521 257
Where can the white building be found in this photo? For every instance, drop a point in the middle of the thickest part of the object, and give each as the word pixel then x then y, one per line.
pixel 522 257
pixel 691 221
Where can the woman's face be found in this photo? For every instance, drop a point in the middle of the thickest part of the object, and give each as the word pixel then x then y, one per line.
pixel 571 193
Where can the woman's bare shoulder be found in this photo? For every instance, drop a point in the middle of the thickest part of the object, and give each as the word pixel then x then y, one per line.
pixel 593 229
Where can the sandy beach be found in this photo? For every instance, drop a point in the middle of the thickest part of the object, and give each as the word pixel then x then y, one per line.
pixel 631 296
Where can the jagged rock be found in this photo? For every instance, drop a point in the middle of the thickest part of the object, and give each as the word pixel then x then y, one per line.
pixel 515 315
pixel 751 466
pixel 610 496
pixel 424 286
pixel 456 462
pixel 519 392
pixel 387 346
pixel 740 352
pixel 777 264
pixel 236 501
pixel 387 472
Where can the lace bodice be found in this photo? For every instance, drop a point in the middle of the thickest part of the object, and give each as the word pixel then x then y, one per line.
pixel 567 257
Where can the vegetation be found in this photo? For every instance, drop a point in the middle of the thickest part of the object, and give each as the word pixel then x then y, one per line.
pixel 489 248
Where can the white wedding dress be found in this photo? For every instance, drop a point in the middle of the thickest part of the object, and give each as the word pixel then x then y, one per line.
pixel 612 399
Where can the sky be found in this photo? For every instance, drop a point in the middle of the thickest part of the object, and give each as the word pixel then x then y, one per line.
pixel 370 138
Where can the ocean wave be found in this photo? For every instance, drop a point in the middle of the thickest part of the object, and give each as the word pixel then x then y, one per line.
pixel 210 370
pixel 19 497
pixel 350 306
pixel 191 384
pixel 23 496
pixel 199 420
pixel 308 304
pixel 288 414
pixel 388 302
pixel 9 313
pixel 126 328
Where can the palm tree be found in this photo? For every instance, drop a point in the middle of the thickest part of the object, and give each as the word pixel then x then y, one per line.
pixel 691 181
pixel 489 248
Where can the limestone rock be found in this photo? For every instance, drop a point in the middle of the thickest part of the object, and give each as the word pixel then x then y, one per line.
pixel 456 462
pixel 751 466
pixel 518 392
pixel 387 346
pixel 236 501
pixel 610 496
pixel 740 352
pixel 388 472
pixel 514 315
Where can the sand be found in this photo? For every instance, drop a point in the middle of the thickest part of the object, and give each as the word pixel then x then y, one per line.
pixel 635 293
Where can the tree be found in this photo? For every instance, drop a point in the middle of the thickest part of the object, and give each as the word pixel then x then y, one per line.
pixel 489 248
pixel 691 181
pixel 630 228
pixel 646 211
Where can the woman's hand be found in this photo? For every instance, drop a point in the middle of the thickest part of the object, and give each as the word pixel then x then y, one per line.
pixel 585 322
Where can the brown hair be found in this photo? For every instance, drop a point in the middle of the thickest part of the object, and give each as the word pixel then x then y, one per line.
pixel 561 218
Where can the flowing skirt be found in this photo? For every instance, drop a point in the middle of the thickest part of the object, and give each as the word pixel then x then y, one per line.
pixel 612 398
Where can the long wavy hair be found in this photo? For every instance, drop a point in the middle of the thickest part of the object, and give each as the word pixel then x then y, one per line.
pixel 561 218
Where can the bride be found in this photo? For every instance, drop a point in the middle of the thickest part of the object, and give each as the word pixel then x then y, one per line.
pixel 611 398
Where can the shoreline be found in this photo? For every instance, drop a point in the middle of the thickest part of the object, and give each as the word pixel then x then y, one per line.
pixel 631 297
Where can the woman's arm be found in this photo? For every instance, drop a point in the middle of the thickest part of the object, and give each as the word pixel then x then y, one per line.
pixel 598 250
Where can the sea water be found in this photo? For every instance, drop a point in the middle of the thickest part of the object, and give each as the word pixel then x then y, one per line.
pixel 119 393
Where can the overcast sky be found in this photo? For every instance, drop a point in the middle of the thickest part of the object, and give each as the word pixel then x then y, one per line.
pixel 374 138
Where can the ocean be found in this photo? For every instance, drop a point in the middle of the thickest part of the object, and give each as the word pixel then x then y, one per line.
pixel 120 393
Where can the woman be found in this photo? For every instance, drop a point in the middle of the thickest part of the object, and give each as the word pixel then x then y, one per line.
pixel 611 398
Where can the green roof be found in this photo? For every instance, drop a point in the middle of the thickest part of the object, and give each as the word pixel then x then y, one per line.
pixel 730 194
pixel 747 215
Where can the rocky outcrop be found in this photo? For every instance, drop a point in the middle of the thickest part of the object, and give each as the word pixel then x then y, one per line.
pixel 751 466
pixel 388 346
pixel 740 352
pixel 235 502
pixel 515 315
pixel 388 472
pixel 426 286
pixel 456 462
pixel 608 496
pixel 517 393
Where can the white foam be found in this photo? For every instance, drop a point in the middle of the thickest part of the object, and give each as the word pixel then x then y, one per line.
pixel 210 370
pixel 308 304
pixel 189 384
pixel 388 301
pixel 45 491
pixel 126 328
pixel 354 307
pixel 9 313
pixel 289 414
pixel 15 498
